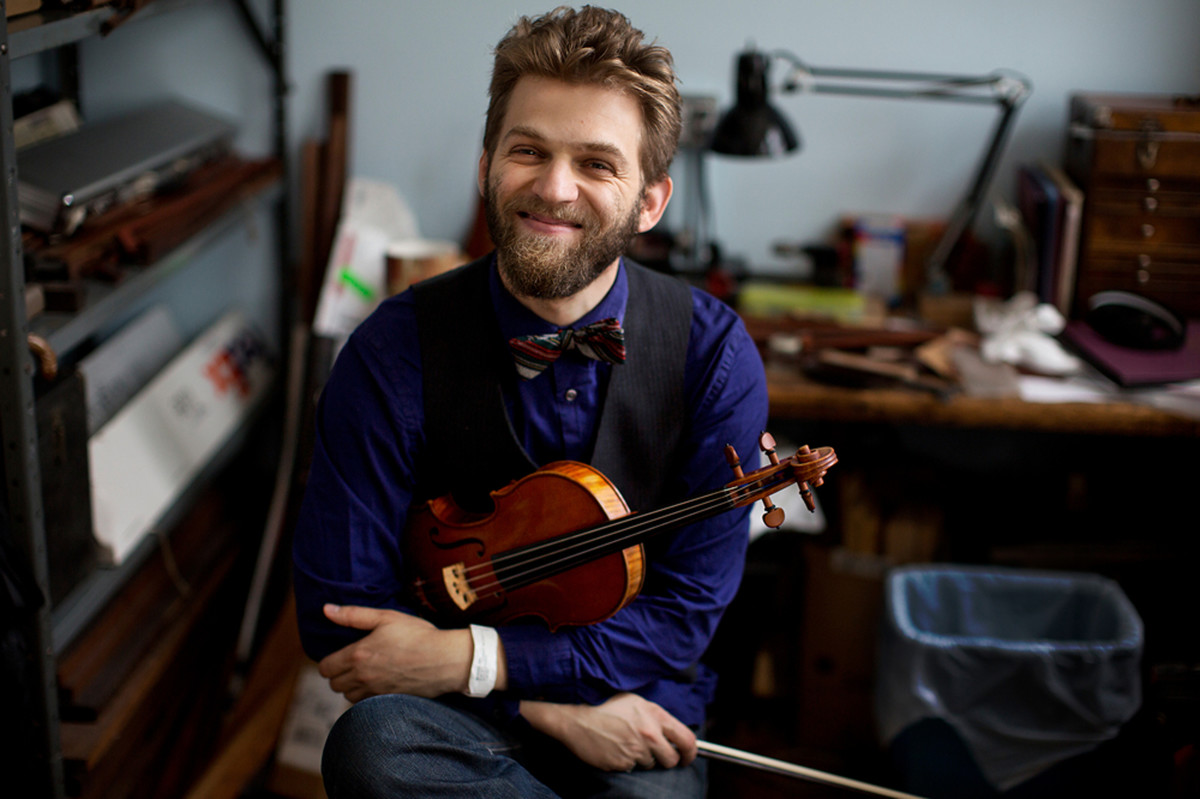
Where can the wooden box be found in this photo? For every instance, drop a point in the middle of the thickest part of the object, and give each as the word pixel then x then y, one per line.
pixel 1137 159
pixel 15 8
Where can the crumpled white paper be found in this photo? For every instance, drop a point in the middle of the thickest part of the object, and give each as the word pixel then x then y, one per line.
pixel 1021 331
pixel 373 216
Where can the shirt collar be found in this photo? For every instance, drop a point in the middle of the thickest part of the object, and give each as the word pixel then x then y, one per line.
pixel 517 320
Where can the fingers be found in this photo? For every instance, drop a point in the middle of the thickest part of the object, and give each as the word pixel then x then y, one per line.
pixel 672 743
pixel 355 616
pixel 331 666
pixel 682 742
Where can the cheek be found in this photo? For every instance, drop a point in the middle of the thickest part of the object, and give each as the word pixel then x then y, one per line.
pixel 609 202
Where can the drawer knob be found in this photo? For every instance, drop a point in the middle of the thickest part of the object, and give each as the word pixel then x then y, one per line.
pixel 1147 230
pixel 1143 276
pixel 1150 203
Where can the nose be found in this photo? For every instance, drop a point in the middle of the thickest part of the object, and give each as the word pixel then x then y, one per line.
pixel 556 182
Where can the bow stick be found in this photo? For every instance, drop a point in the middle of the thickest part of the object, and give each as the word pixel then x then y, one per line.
pixel 731 755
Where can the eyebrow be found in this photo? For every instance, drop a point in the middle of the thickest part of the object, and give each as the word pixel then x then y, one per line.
pixel 606 148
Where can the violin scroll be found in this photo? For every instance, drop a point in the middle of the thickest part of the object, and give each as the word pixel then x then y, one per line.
pixel 806 469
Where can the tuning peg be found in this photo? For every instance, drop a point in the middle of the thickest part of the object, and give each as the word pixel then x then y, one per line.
pixel 735 463
pixel 807 496
pixel 805 491
pixel 773 514
pixel 766 443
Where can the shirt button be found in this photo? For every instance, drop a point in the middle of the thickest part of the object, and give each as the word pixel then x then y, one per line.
pixel 571 395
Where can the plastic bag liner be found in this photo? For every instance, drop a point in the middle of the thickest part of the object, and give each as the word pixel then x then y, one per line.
pixel 1029 667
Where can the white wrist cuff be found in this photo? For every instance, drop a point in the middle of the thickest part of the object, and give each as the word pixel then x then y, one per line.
pixel 484 662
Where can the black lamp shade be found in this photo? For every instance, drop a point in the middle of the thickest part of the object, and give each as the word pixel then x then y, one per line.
pixel 753 127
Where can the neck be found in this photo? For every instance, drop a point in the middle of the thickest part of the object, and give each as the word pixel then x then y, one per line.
pixel 567 310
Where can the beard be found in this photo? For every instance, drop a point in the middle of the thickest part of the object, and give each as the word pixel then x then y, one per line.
pixel 543 267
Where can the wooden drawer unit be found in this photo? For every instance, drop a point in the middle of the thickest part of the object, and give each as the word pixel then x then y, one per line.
pixel 1137 159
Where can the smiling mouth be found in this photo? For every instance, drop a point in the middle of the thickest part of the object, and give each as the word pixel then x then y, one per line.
pixel 550 221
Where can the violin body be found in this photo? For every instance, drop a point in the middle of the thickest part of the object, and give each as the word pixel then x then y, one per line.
pixel 557 500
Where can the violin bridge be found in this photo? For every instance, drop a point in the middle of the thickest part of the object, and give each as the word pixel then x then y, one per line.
pixel 454 577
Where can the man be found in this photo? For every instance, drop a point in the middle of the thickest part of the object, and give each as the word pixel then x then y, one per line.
pixel 427 399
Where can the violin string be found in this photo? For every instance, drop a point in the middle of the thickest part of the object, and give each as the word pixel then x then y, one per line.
pixel 529 569
pixel 620 524
pixel 603 529
pixel 615 527
pixel 611 536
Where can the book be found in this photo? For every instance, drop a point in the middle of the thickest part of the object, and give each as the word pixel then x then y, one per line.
pixel 1038 200
pixel 1066 253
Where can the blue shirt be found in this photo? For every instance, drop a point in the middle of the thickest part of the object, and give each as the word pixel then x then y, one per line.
pixel 348 540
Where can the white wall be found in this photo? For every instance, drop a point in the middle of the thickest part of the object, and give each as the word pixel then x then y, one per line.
pixel 421 72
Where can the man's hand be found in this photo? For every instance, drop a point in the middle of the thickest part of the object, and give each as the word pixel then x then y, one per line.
pixel 621 734
pixel 401 654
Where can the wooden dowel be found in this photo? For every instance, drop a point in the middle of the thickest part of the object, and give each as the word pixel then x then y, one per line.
pixel 731 755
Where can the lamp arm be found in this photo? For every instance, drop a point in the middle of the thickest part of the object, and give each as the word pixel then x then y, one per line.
pixel 995 88
pixel 968 208
pixel 1003 89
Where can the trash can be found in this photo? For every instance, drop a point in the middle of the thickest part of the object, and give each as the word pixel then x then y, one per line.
pixel 1027 668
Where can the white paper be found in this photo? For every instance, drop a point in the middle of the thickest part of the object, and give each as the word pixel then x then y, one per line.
pixel 1056 389
pixel 156 445
pixel 355 281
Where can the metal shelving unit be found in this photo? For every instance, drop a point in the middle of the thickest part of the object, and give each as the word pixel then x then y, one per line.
pixel 47 630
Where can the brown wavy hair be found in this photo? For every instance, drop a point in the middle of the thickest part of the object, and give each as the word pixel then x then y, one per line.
pixel 592 46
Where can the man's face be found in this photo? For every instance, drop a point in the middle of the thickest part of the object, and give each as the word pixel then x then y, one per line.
pixel 563 190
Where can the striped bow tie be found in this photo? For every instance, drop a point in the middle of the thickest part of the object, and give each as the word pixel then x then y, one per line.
pixel 603 340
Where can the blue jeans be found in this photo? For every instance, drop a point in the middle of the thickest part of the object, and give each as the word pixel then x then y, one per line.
pixel 399 746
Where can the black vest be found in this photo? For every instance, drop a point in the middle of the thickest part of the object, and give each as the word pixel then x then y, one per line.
pixel 470 445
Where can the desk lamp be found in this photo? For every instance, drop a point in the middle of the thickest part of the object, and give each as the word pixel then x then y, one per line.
pixel 753 127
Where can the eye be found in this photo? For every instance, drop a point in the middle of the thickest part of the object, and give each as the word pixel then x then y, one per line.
pixel 597 165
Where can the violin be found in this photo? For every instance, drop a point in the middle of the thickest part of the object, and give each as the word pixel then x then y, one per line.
pixel 561 544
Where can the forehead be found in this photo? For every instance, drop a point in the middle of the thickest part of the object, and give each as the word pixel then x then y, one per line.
pixel 574 115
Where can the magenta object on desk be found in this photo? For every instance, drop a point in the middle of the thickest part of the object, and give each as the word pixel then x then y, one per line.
pixel 1136 367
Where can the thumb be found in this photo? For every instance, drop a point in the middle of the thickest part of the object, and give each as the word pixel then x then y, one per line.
pixel 355 616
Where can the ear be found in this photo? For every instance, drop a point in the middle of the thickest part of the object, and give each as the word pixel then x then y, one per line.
pixel 654 203
pixel 481 179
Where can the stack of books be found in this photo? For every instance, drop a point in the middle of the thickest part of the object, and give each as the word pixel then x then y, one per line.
pixel 1051 207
